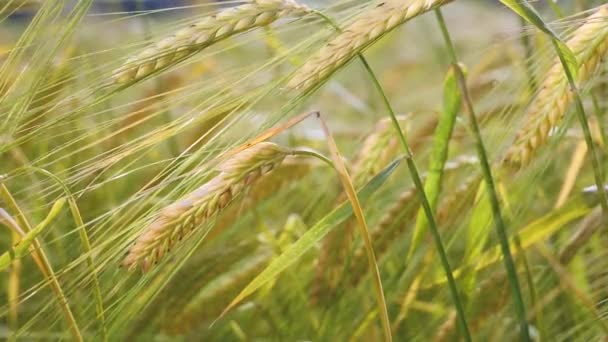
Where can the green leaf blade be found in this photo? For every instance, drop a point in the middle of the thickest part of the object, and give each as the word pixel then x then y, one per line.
pixel 311 237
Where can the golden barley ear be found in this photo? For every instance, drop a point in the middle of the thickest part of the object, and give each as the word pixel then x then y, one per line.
pixel 590 45
pixel 367 28
pixel 181 218
pixel 204 33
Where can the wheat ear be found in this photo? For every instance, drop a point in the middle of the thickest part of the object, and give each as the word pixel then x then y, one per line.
pixel 590 45
pixel 363 32
pixel 204 33
pixel 182 217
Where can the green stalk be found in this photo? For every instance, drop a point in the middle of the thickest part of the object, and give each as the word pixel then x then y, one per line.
pixel 86 246
pixel 314 154
pixel 598 172
pixel 489 180
pixel 411 165
pixel 43 263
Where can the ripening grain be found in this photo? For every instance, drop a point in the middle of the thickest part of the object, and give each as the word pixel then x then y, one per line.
pixel 204 33
pixel 177 220
pixel 590 45
pixel 366 29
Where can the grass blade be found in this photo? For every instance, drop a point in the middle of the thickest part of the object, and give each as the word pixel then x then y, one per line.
pixel 536 231
pixel 439 154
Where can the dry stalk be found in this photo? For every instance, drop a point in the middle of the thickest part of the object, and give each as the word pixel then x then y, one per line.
pixel 446 329
pixel 584 231
pixel 378 148
pixel 182 217
pixel 590 45
pixel 204 33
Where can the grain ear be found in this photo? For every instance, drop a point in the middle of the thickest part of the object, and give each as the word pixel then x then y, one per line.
pixel 590 45
pixel 364 31
pixel 204 33
pixel 181 218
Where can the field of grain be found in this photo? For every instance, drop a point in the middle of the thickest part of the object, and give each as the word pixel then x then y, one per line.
pixel 293 170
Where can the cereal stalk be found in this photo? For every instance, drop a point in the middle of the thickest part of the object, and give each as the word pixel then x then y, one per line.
pixel 489 181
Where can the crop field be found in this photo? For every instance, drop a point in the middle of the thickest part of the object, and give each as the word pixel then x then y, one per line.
pixel 293 170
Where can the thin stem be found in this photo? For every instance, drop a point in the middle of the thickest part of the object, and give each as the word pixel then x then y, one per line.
pixel 43 263
pixel 86 246
pixel 13 285
pixel 582 118
pixel 419 189
pixel 314 154
pixel 489 180
pixel 411 165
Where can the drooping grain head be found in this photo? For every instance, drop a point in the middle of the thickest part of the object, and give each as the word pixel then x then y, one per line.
pixel 589 44
pixel 367 28
pixel 179 219
pixel 204 33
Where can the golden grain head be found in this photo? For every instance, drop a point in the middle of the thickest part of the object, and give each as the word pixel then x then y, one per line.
pixel 179 219
pixel 589 43
pixel 204 33
pixel 367 28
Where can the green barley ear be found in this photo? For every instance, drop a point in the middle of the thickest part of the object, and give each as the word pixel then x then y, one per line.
pixel 179 219
pixel 204 33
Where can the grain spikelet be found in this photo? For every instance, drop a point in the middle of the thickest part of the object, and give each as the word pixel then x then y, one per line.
pixel 182 217
pixel 377 150
pixel 204 33
pixel 367 28
pixel 590 45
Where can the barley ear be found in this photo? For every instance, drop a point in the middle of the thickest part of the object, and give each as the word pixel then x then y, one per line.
pixel 589 44
pixel 366 29
pixel 181 218
pixel 204 33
